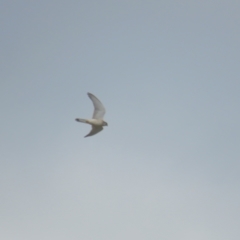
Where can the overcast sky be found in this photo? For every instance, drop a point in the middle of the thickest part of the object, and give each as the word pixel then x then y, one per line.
pixel 167 166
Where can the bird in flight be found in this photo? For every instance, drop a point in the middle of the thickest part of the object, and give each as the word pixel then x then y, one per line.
pixel 97 119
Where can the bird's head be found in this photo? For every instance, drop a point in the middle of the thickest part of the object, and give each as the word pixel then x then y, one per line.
pixel 105 123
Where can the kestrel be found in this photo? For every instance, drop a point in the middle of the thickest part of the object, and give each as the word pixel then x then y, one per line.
pixel 97 119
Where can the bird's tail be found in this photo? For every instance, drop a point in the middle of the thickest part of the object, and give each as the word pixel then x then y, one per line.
pixel 81 120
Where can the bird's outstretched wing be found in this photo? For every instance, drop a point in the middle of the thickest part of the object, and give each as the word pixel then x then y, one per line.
pixel 95 130
pixel 99 109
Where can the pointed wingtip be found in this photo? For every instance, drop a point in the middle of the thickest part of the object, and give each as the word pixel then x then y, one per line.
pixel 90 95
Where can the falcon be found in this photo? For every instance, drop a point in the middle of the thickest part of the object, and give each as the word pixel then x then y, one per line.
pixel 96 121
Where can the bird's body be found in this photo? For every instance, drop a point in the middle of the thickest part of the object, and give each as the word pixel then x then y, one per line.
pixel 96 121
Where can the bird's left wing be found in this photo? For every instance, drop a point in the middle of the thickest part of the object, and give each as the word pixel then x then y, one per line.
pixel 95 130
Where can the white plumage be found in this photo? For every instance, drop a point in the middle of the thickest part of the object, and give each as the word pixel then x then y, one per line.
pixel 97 121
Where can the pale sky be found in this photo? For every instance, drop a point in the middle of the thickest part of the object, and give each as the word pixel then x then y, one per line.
pixel 167 166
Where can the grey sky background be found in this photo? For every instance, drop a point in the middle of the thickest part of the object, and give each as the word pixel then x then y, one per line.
pixel 166 167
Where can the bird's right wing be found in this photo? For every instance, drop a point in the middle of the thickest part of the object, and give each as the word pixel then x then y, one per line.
pixel 95 130
pixel 99 109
